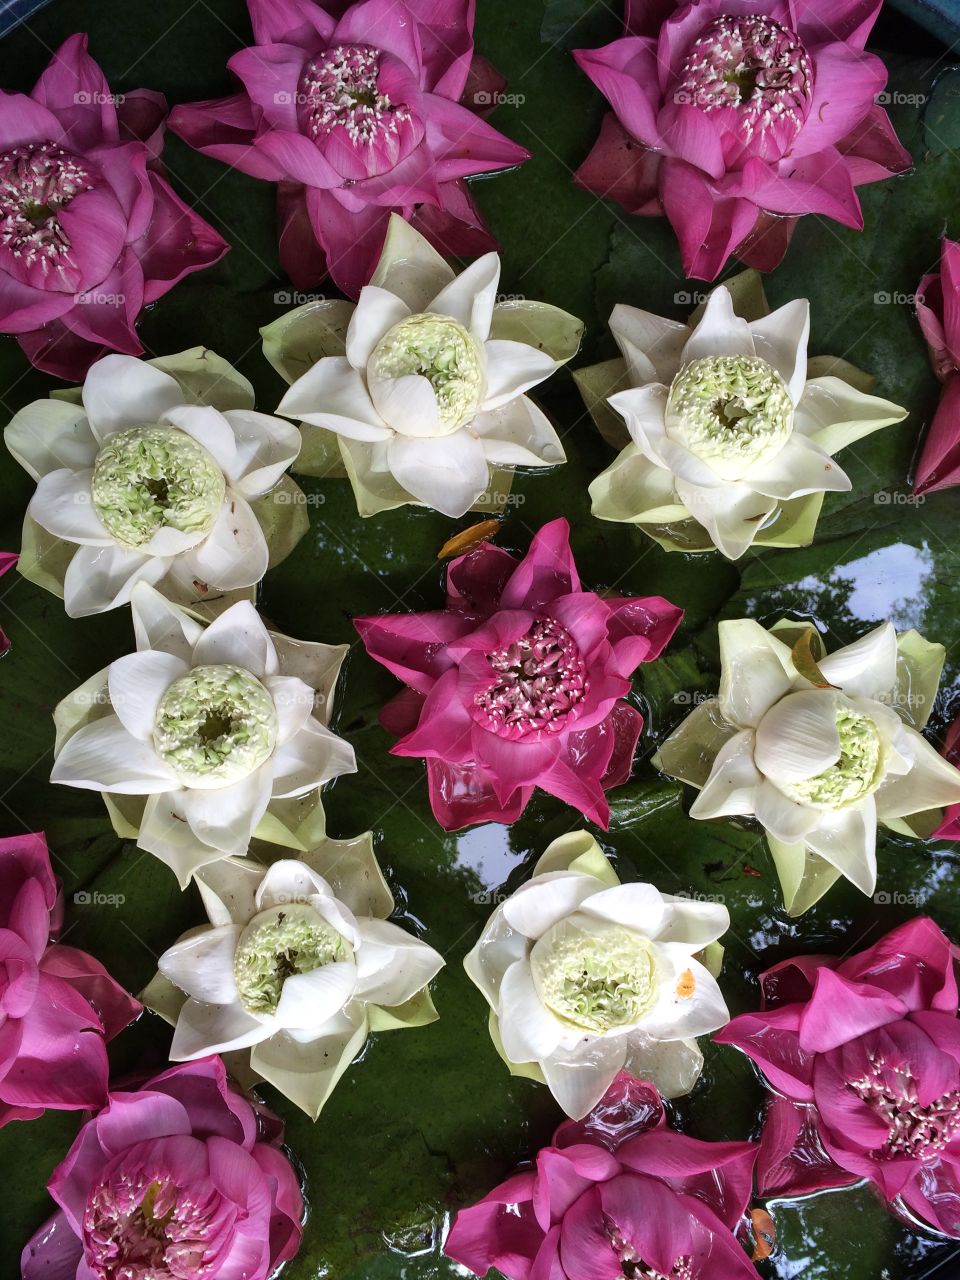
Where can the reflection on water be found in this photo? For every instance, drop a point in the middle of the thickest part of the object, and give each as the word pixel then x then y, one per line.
pixel 486 851
pixel 889 583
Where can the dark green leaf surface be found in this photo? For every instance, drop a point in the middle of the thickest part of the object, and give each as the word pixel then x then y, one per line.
pixel 429 1119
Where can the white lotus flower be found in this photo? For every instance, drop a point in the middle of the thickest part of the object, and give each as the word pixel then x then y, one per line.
pixel 149 482
pixel 298 965
pixel 726 429
pixel 211 725
pixel 428 393
pixel 818 748
pixel 586 976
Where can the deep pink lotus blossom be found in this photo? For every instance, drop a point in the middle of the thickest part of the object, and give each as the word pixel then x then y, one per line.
pixel 519 682
pixel 183 1177
pixel 57 1004
pixel 734 117
pixel 356 110
pixel 90 232
pixel 938 310
pixel 618 1193
pixel 864 1055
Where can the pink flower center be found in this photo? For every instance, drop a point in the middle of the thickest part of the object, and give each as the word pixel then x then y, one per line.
pixel 538 681
pixel 755 66
pixel 142 1226
pixel 340 90
pixel 915 1131
pixel 37 180
pixel 633 1266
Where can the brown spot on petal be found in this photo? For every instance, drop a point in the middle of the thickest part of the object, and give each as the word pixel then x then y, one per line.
pixel 467 538
pixel 686 985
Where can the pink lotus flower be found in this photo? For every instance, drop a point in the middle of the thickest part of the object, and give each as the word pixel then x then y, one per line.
pixel 617 1194
pixel 7 560
pixel 57 1004
pixel 183 1177
pixel 949 828
pixel 734 119
pixel 938 310
pixel 865 1057
pixel 519 682
pixel 357 115
pixel 90 233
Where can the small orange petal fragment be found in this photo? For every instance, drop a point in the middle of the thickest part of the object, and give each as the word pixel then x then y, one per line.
pixel 467 538
pixel 764 1234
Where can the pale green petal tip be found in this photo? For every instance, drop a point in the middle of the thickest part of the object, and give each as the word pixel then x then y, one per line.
pixel 44 559
pixel 711 957
pixel 207 378
pixel 523 1070
pixel 282 515
pixel 162 997
pixel 409 266
pixel 418 1011
pixel 804 877
pixel 538 324
pixel 919 668
pixel 596 383
pixel 747 296
pixel 295 341
pixel 577 851
pixel 320 454
pixel 354 873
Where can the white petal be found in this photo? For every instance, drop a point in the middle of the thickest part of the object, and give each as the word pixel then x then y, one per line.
pixel 391 964
pixel 408 404
pixel 240 638
pixel 579 1078
pixel 122 391
pixel 496 950
pixel 541 902
pixel 732 514
pixel 732 783
pixel 518 434
pixel 931 782
pixel 307 1072
pixel 471 295
pixel 757 670
pixel 293 700
pixel 159 624
pixel 234 553
pixel 513 367
pixel 101 578
pixel 690 1003
pixel 446 473
pixel 801 467
pixel 202 965
pixel 229 890
pixel 780 338
pixel 216 1028
pixel 651 344
pixel 783 817
pixel 409 266
pixel 333 395
pixel 637 906
pixel 308 1000
pixel 672 1066
pixel 377 311
pixel 165 832
pixel 226 817
pixel 529 1031
pixel 48 435
pixel 798 737
pixel 721 332
pixel 694 924
pixel 288 880
pixel 63 505
pixel 868 667
pixel 209 428
pixel 642 409
pixel 137 682
pixel 313 756
pixel 847 840
pixel 266 447
pixel 103 756
pixel 833 414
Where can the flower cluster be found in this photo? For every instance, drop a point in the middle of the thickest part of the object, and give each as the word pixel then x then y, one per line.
pixel 937 310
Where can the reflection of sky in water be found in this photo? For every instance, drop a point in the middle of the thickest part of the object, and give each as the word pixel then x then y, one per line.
pixel 888 583
pixel 486 851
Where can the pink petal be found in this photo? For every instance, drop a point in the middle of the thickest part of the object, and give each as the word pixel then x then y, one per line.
pixel 62 1063
pixel 545 572
pixel 852 20
pixel 872 149
pixel 64 354
pixel 463 794
pixel 514 766
pixel 563 1176
pixel 24 859
pixel 820 183
pixel 585 1252
pixel 475 581
pixel 792 1161
pixel 445 728
pixel 764 247
pixel 915 962
pixel 412 645
pixel 271 73
pixel 401 713
pixel 389 19
pixel 584 793
pixel 625 72
pixel 488 1235
pixel 75 89
pixel 301 256
pixel 105 317
pixel 351 240
pixel 689 134
pixel 23 120
pixel 624 725
pixel 619 168
pixel 840 1010
pixel 462 144
pixel 53 1252
pixel 934 1195
pixel 950 293
pixel 291 22
pixel 719 1173
pixel 455 227
pixel 709 228
pixel 296 159
pixel 648 1214
pixel 771 1040
pixel 640 628
pixel 286 1231
pixel 224 128
pixel 125 168
pixel 845 83
pixel 23 307
pixel 141 117
pixel 445 31
pixel 939 465
pixel 114 1007
pixel 177 242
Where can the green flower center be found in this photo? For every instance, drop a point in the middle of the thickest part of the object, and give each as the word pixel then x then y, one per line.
pixel 597 977
pixel 855 774
pixel 730 411
pixel 442 351
pixel 215 725
pixel 278 943
pixel 152 478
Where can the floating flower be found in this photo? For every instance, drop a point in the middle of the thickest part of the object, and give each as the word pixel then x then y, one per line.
pixel 864 1054
pixel 938 310
pixel 153 475
pixel 585 976
pixel 214 726
pixel 520 682
pixel 90 232
pixel 355 116
pixel 949 828
pixel 299 964
pixel 818 748
pixel 618 1194
pixel 734 121
pixel 422 383
pixel 730 441
pixel 57 1004
pixel 183 1177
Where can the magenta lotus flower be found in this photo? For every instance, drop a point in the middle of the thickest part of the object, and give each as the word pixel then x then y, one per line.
pixel 864 1055
pixel 735 119
pixel 57 1004
pixel 183 1177
pixel 617 1194
pixel 519 682
pixel 357 113
pixel 949 828
pixel 938 310
pixel 90 232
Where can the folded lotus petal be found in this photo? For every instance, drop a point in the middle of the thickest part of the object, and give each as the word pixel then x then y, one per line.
pixel 332 394
pixel 204 1028
pixel 308 1072
pixel 136 683
pixel 512 368
pixel 104 756
pixel 121 391
pixel 447 473
pixel 542 902
pixel 226 817
pixel 545 572
pixel 266 447
pixel 237 637
pixel 308 1000
pixel 931 782
pixel 518 434
pixel 63 505
pixel 233 555
pixel 642 409
pixel 392 966
pixel 469 298
pixel 158 624
pixel 651 345
pixel 840 1010
pixel 868 667
pixel 49 435
pixel 708 227
pixel 61 1061
pixel 757 671
pixel 733 782
pixel 939 465
pixel 412 646
pixel 847 840
pixel 202 965
pixel 314 756
pixel 732 515
pixel 529 1031
pixel 293 701
pixel 377 311
pixel 578 1078
pixel 782 817
pixel 798 737
pixel 845 82
pixel 780 338
pixel 833 414
pixel 625 72
pixel 209 428
pixel 638 907
pixel 53 1252
pixel 801 467
pixel 690 1002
